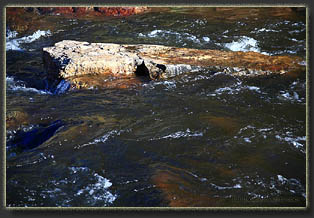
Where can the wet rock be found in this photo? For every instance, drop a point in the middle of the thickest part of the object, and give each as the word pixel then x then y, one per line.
pixel 105 81
pixel 181 189
pixel 229 125
pixel 54 10
pixel 33 138
pixel 27 20
pixel 120 11
pixel 70 60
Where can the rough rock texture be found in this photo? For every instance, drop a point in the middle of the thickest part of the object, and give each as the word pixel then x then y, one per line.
pixel 107 11
pixel 73 59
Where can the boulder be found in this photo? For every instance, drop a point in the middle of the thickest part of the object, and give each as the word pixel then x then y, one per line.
pixel 31 139
pixel 68 60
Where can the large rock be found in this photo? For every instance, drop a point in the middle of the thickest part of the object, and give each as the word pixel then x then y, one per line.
pixel 71 60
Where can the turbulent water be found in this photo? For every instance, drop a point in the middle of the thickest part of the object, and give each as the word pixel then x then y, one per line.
pixel 199 139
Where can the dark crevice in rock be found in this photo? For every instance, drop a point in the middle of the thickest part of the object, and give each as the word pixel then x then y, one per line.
pixel 162 67
pixel 157 71
pixel 142 70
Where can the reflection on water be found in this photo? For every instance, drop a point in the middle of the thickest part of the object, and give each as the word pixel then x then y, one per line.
pixel 199 139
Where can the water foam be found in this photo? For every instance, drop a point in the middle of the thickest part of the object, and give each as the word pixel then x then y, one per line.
pixel 14 85
pixel 262 188
pixel 290 96
pixel 169 84
pixel 13 43
pixel 298 142
pixel 244 44
pixel 250 132
pixel 93 191
pixel 235 89
pixel 97 190
pixel 236 186
pixel 180 134
pixel 101 139
pixel 172 34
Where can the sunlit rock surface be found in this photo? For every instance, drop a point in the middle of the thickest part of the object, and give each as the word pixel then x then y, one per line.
pixel 71 60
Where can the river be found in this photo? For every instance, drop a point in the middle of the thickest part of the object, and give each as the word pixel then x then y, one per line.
pixel 199 139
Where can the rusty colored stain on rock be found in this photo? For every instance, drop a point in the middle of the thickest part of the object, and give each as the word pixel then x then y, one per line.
pixel 120 11
pixel 105 81
pixel 105 11
pixel 30 19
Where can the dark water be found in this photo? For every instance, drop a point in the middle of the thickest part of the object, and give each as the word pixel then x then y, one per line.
pixel 199 139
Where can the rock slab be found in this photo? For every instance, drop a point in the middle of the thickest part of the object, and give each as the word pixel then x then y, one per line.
pixel 71 60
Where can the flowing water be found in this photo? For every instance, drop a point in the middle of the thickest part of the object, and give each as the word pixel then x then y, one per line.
pixel 199 139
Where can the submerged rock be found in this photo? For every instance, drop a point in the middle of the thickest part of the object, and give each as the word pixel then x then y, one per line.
pixel 228 125
pixel 70 60
pixel 14 119
pixel 33 138
pixel 180 188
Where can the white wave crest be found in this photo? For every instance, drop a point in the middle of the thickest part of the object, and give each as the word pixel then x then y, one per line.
pixel 235 89
pixel 102 139
pixel 173 34
pixel 87 186
pixel 244 44
pixel 180 134
pixel 19 86
pixel 15 43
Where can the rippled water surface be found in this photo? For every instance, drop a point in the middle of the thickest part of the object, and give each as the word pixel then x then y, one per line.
pixel 199 139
